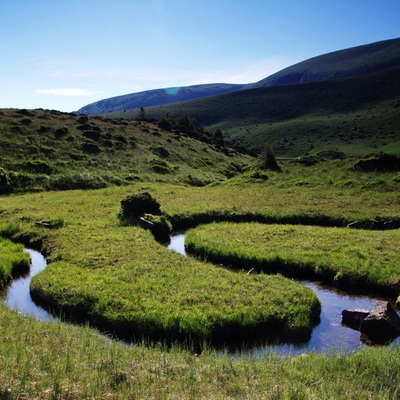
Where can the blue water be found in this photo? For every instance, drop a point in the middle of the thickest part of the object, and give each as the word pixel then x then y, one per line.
pixel 329 336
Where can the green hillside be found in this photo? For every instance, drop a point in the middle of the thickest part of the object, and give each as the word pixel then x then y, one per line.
pixel 356 115
pixel 50 150
pixel 338 64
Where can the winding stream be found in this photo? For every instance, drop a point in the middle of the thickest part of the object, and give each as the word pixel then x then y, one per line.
pixel 330 335
pixel 18 297
pixel 327 337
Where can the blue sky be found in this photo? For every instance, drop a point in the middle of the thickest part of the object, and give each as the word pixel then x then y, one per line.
pixel 64 54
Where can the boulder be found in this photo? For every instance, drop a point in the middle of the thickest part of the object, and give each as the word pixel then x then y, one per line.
pixel 382 321
pixel 352 318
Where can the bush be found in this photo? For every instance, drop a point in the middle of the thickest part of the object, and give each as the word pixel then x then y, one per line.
pixel 160 167
pixel 92 134
pixel 90 148
pixel 60 132
pixel 137 205
pixel 161 227
pixel 268 160
pixel 38 167
pixel 380 163
pixel 165 124
pixel 5 186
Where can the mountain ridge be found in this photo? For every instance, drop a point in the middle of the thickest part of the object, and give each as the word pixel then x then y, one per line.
pixel 352 61
pixel 149 98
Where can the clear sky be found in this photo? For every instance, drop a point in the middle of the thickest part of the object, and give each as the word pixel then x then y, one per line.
pixel 65 54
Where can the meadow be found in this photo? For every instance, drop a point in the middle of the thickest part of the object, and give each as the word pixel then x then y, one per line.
pixel 346 258
pixel 105 274
pixel 13 261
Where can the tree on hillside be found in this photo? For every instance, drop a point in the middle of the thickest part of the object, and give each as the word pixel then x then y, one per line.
pixel 268 160
pixel 141 114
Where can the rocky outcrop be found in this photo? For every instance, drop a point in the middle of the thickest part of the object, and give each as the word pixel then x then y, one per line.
pixel 380 324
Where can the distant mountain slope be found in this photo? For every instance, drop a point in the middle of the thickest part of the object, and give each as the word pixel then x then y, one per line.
pixel 349 62
pixel 357 113
pixel 339 64
pixel 156 97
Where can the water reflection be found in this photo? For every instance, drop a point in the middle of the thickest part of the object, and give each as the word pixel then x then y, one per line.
pixel 18 294
pixel 330 335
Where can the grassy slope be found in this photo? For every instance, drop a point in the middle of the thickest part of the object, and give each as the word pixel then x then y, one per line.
pixel 338 64
pixel 356 115
pixel 53 150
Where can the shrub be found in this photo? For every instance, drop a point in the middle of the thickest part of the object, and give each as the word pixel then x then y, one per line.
pixel 38 166
pixel 165 124
pixel 92 134
pixel 90 148
pixel 161 227
pixel 379 163
pixel 60 132
pixel 82 119
pixel 268 160
pixel 160 167
pixel 5 185
pixel 137 205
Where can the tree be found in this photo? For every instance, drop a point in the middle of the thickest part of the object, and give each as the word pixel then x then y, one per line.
pixel 142 114
pixel 268 160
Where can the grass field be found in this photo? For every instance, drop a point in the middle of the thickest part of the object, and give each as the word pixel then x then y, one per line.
pixel 356 115
pixel 350 258
pixel 12 261
pixel 117 276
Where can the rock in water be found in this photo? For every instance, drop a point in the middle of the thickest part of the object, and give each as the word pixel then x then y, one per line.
pixel 382 322
pixel 352 318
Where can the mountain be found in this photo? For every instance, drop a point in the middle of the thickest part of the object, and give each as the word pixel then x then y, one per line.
pixel 339 64
pixel 355 115
pixel 158 96
pixel 349 62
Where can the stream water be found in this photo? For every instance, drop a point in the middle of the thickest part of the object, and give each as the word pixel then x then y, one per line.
pixel 330 335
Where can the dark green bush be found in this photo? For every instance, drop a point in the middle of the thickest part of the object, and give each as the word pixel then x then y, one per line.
pixel 5 184
pixel 160 167
pixel 380 163
pixel 38 166
pixel 165 124
pixel 137 205
pixel 268 160
pixel 92 134
pixel 160 151
pixel 60 132
pixel 90 148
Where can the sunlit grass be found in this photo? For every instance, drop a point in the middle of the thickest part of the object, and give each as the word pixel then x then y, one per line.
pixel 12 260
pixel 90 253
pixel 341 256
pixel 53 360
